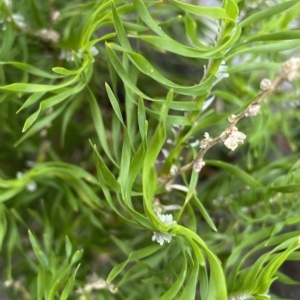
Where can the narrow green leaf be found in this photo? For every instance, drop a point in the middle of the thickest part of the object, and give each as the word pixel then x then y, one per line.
pixel 145 67
pixel 231 9
pixel 191 31
pixel 122 72
pixel 285 188
pixel 174 289
pixel 273 266
pixel 204 213
pixel 142 118
pixel 268 12
pixel 192 186
pixel 30 69
pixel 42 123
pixel 99 126
pixel 41 282
pixel 173 46
pixel 38 252
pixel 284 35
pixel 106 173
pixel 76 256
pixel 237 172
pixel 114 103
pixel 3 224
pixel 119 29
pixel 189 291
pixel 36 88
pixel 146 17
pixel 31 100
pixel 135 255
pixel 68 247
pixel 124 167
pixel 59 282
pixel 203 11
pixel 69 285
pixel 31 119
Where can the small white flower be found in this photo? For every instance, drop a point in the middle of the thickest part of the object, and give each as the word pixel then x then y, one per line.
pixel 246 296
pixel 30 163
pixel 252 110
pixel 205 141
pixel 162 237
pixel 55 15
pixel 94 51
pixel 221 74
pixel 68 55
pixel 165 152
pixel 7 3
pixel 173 170
pixel 8 283
pixel 31 185
pixel 167 219
pixel 195 143
pixel 19 20
pixel 207 103
pixel 232 140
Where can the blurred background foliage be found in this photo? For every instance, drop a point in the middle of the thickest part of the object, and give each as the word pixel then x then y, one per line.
pixel 99 99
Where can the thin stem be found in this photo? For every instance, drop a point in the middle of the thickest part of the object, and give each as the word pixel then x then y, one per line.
pixel 235 118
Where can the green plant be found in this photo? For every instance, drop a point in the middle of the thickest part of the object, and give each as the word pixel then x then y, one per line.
pixel 113 99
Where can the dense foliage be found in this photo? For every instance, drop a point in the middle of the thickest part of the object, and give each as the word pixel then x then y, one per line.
pixel 148 148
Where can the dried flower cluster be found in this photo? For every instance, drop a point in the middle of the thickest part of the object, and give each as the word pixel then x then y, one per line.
pixel 96 283
pixel 252 110
pixel 198 165
pixel 290 68
pixel 232 138
pixel 266 84
pixel 204 143
pixel 48 35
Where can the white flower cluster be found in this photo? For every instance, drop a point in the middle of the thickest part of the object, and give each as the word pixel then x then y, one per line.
pixel 290 68
pixel 246 296
pixel 233 139
pixel 68 56
pixel 222 72
pixel 19 20
pixel 162 237
pixel 7 3
pixel 96 283
pixel 173 170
